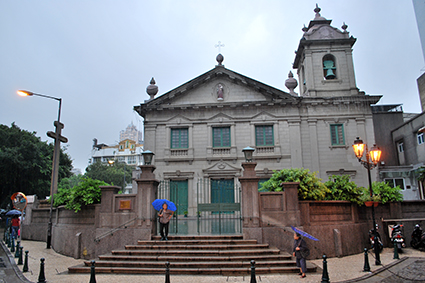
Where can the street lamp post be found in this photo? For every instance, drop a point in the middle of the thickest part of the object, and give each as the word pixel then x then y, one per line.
pixel 372 158
pixel 56 154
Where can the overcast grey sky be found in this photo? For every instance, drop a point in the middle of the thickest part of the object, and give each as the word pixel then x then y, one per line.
pixel 99 56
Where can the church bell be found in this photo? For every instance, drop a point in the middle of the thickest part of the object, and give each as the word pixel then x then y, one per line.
pixel 328 66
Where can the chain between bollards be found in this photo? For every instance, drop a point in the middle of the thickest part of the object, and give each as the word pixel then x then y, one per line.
pixel 395 251
pixel 92 272
pixel 167 272
pixel 325 275
pixel 253 279
pixel 41 277
pixel 366 267
pixel 25 268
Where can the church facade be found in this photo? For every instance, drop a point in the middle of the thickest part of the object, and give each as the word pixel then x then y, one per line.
pixel 198 130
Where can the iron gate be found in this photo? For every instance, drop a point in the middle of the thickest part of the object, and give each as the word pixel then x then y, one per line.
pixel 219 207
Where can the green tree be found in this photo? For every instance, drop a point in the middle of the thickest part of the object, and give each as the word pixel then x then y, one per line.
pixel 110 173
pixel 26 163
pixel 341 188
pixel 310 188
pixel 86 192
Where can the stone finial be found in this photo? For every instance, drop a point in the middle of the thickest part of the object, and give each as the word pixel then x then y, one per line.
pixel 318 17
pixel 152 89
pixel 344 27
pixel 291 83
pixel 304 29
pixel 317 11
pixel 220 59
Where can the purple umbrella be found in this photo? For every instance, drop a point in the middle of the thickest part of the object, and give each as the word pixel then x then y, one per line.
pixel 304 234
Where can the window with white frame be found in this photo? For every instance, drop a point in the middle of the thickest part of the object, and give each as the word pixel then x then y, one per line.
pixel 132 160
pixel 420 137
pixel 121 158
pixel 400 147
pixel 394 182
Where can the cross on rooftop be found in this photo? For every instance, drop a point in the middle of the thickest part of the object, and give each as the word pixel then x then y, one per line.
pixel 219 45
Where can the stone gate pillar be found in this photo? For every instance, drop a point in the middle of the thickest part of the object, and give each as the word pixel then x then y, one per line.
pixel 250 206
pixel 147 187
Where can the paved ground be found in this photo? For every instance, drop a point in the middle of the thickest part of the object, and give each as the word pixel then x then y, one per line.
pixel 410 268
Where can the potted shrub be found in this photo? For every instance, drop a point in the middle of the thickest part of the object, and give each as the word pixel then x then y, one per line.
pixel 185 213
pixel 369 201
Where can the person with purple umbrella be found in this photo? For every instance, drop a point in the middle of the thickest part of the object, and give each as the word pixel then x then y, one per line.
pixel 164 220
pixel 299 251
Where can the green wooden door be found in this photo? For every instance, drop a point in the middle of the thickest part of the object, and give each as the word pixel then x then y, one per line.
pixel 222 191
pixel 178 195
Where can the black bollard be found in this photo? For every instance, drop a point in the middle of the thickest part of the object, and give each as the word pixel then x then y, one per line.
pixel 8 239
pixel 18 244
pixel 25 268
pixel 20 261
pixel 253 279
pixel 366 267
pixel 12 248
pixel 325 275
pixel 395 251
pixel 92 272
pixel 41 277
pixel 167 272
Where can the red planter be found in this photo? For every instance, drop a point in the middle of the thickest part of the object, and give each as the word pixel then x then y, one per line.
pixel 370 203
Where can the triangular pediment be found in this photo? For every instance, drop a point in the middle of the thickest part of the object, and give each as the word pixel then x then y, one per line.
pixel 217 87
pixel 222 168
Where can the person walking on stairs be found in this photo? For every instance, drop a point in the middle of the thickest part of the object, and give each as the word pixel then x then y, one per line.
pixel 164 220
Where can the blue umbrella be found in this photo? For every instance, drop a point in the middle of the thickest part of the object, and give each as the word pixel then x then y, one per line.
pixel 157 204
pixel 14 212
pixel 304 234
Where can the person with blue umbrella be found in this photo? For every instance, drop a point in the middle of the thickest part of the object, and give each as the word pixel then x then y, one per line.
pixel 166 210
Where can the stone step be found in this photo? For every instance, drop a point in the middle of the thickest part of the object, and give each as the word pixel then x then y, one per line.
pixel 176 264
pixel 198 242
pixel 198 238
pixel 192 271
pixel 164 258
pixel 196 252
pixel 202 246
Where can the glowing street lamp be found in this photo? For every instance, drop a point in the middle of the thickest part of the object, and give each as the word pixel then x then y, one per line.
pixel 372 159
pixel 56 153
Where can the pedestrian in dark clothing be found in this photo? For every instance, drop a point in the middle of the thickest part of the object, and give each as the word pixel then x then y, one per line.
pixel 164 220
pixel 300 247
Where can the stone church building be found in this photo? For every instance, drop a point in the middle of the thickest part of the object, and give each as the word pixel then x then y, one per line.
pixel 198 130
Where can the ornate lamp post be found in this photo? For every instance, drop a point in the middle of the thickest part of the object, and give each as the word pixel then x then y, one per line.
pixel 56 153
pixel 147 156
pixel 372 158
pixel 248 152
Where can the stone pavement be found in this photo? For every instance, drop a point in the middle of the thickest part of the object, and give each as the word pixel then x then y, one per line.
pixel 410 268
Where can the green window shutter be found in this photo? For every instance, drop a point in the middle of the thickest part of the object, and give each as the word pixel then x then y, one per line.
pixel 221 137
pixel 264 135
pixel 179 138
pixel 337 134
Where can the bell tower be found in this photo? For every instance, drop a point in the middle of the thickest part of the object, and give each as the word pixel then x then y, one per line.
pixel 324 60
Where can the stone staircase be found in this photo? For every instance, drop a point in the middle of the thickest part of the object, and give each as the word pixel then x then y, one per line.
pixel 195 255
